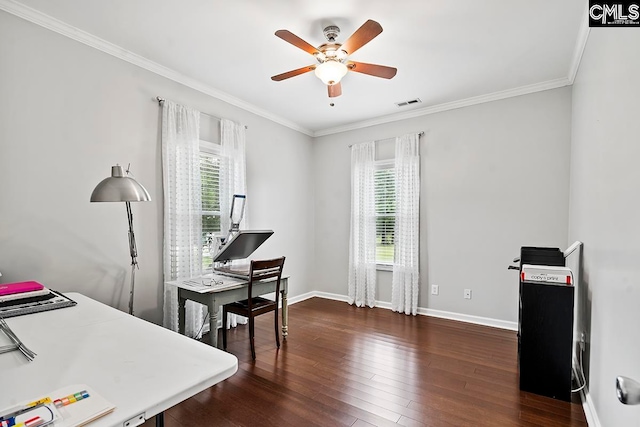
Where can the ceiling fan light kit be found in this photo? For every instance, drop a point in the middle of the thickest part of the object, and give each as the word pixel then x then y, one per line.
pixel 332 57
pixel 331 71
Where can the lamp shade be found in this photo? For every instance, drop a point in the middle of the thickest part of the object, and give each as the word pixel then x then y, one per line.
pixel 119 188
pixel 331 71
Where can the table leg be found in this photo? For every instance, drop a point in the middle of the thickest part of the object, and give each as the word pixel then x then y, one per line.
pixel 213 324
pixel 160 420
pixel 181 314
pixel 285 316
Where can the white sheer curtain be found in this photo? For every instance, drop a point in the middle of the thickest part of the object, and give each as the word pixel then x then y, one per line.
pixel 404 292
pixel 233 180
pixel 362 242
pixel 233 172
pixel 182 210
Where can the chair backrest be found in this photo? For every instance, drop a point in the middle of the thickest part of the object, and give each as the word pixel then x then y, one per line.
pixel 265 269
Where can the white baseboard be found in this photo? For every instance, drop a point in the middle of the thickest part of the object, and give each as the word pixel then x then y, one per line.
pixel 335 297
pixel 478 320
pixel 587 403
pixel 486 321
pixel 300 298
pixel 589 409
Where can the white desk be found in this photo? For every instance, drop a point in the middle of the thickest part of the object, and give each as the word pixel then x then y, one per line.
pixel 232 290
pixel 139 367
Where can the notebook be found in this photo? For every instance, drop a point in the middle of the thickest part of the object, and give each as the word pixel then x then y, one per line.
pixel 19 287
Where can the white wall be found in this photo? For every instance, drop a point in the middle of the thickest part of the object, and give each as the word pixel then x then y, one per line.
pixel 605 213
pixel 494 178
pixel 67 113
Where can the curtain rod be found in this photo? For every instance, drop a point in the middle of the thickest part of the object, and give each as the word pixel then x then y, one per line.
pixel 378 140
pixel 161 100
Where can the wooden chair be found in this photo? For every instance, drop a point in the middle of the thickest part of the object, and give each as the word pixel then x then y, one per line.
pixel 252 307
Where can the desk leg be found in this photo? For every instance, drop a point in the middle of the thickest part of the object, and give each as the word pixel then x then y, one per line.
pixel 285 316
pixel 213 324
pixel 181 314
pixel 160 420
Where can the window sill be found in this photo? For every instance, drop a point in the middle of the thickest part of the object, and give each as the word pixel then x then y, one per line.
pixel 384 267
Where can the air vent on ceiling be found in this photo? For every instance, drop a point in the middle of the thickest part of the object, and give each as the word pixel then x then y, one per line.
pixel 411 102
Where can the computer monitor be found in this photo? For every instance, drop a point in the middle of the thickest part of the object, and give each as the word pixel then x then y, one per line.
pixel 242 245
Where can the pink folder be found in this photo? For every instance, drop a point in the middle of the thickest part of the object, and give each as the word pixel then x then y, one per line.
pixel 19 287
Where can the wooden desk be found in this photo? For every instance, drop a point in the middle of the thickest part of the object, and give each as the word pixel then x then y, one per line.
pixel 230 290
pixel 139 367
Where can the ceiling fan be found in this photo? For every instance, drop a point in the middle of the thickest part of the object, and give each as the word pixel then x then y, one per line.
pixel 332 57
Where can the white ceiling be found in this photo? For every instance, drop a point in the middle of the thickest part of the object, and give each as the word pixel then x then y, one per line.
pixel 445 50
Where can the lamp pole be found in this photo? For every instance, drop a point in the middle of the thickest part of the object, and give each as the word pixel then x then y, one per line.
pixel 134 255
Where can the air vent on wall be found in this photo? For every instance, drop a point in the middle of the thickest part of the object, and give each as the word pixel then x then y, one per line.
pixel 411 102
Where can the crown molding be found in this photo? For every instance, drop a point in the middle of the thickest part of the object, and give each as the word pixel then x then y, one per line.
pixel 495 96
pixel 581 43
pixel 36 17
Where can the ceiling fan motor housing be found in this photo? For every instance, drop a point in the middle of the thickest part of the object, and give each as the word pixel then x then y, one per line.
pixel 331 32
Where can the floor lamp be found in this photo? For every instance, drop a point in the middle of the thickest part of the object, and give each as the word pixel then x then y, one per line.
pixel 121 188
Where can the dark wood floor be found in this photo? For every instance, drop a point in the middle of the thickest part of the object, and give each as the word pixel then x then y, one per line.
pixel 344 366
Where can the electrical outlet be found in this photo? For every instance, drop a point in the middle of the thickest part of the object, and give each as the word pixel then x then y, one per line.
pixel 583 341
pixel 467 294
pixel 435 289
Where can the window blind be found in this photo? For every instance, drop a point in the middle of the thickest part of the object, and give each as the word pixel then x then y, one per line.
pixel 210 182
pixel 385 203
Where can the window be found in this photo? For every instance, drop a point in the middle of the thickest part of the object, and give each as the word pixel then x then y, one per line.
pixel 210 180
pixel 385 203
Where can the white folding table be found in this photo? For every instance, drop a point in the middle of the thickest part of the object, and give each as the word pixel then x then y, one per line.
pixel 141 368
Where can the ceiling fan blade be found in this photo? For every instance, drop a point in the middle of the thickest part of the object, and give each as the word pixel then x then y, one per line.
pixel 334 90
pixel 293 73
pixel 296 41
pixel 363 35
pixel 372 69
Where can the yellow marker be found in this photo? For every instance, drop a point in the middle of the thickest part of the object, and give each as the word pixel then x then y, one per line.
pixel 42 401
